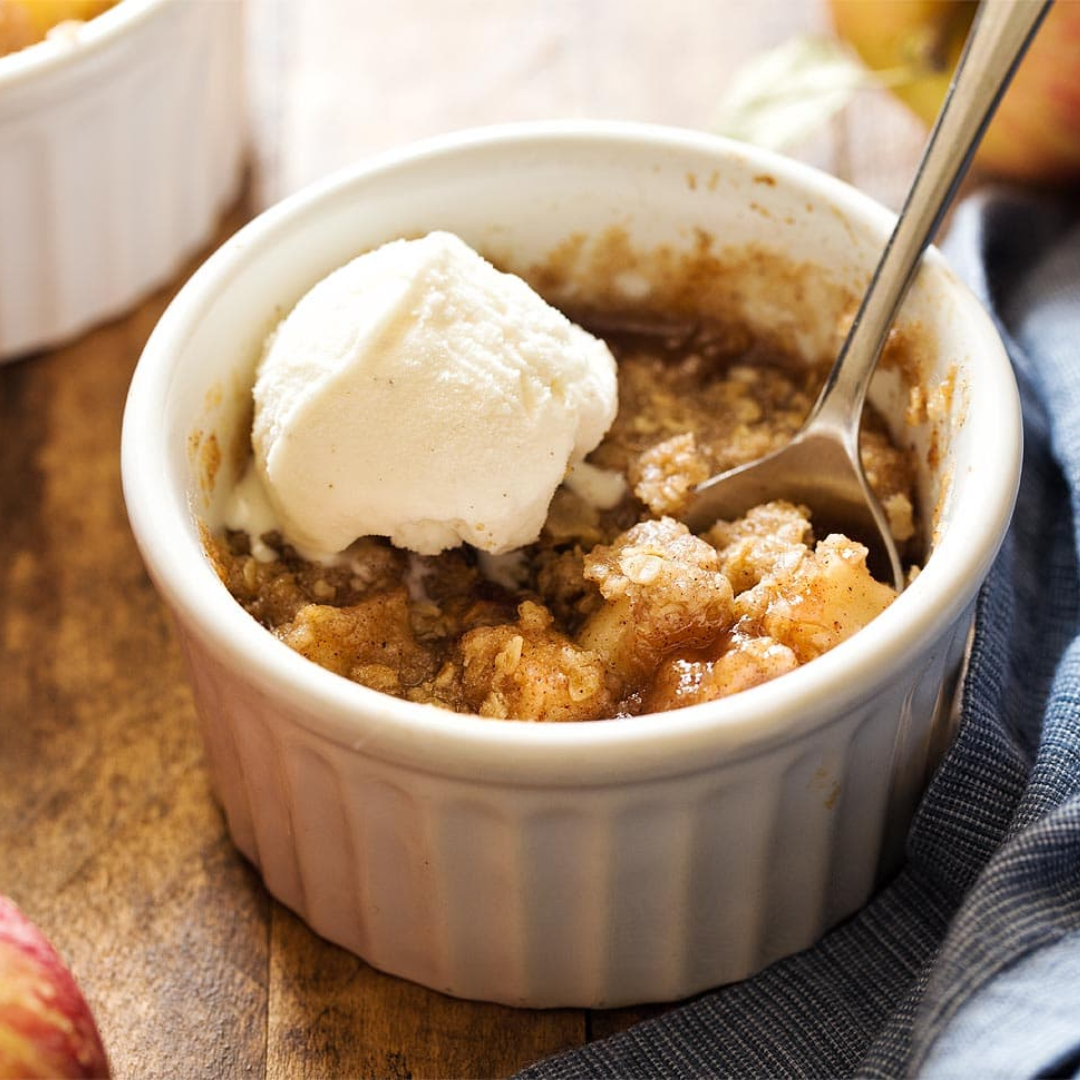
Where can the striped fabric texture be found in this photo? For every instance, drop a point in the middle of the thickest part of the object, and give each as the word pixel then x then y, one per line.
pixel 968 962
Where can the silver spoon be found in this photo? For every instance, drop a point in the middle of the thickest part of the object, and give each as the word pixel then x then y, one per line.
pixel 821 467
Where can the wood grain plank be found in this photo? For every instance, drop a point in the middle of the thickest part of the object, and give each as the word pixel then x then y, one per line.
pixel 108 834
pixel 333 1015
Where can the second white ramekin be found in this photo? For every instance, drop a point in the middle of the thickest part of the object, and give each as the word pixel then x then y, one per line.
pixel 120 146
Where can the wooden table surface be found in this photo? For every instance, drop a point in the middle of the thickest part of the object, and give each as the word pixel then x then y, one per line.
pixel 109 838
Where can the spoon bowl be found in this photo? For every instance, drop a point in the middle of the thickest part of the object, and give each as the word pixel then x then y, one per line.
pixel 815 469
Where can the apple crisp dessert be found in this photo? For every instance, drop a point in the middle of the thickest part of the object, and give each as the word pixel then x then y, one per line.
pixel 618 609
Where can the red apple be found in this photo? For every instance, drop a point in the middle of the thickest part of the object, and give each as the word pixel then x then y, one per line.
pixel 46 1028
pixel 1035 134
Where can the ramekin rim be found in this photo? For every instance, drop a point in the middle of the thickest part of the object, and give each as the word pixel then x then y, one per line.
pixel 837 678
pixel 39 60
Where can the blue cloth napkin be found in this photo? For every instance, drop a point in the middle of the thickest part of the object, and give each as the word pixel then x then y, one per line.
pixel 968 962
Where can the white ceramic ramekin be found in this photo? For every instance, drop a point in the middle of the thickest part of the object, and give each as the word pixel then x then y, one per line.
pixel 119 148
pixel 592 864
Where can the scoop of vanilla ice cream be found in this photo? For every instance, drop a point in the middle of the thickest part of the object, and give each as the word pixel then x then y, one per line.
pixel 419 393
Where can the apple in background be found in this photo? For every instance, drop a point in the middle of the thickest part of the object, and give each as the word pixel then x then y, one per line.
pixel 1035 134
pixel 46 1028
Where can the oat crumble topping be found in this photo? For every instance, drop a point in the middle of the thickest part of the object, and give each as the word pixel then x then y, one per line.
pixel 618 611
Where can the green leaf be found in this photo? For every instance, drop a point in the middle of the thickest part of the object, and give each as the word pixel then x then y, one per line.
pixel 781 96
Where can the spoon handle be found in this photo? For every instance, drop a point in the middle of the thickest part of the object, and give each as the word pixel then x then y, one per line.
pixel 999 36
